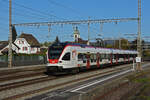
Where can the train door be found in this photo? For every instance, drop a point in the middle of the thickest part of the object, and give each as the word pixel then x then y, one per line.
pixel 66 60
pixel 74 58
pixel 98 60
pixel 116 58
pixel 111 58
pixel 88 61
pixel 128 58
pixel 124 58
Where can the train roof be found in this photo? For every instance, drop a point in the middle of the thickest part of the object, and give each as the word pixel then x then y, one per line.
pixel 84 45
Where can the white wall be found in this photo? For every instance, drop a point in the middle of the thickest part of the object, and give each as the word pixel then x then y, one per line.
pixel 25 47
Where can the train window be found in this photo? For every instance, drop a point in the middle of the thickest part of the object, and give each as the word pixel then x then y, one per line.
pixel 66 56
pixel 84 58
pixel 103 56
pixel 92 57
pixel 55 51
pixel 80 57
pixel 107 56
pixel 100 58
pixel 115 56
pixel 125 55
pixel 120 56
pixel 112 56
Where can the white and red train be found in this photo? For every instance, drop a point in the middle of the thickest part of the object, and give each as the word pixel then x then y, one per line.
pixel 71 57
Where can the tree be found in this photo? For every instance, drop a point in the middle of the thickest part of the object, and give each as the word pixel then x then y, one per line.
pixel 109 46
pixel 14 33
pixel 133 45
pixel 57 40
pixel 124 44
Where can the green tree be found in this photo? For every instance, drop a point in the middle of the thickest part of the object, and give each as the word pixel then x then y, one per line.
pixel 109 46
pixel 46 44
pixel 146 53
pixel 133 44
pixel 124 44
pixel 57 40
pixel 14 33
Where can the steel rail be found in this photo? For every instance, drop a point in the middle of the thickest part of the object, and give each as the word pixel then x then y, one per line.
pixel 62 84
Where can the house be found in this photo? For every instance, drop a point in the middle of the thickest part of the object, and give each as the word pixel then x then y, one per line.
pixel 4 47
pixel 28 44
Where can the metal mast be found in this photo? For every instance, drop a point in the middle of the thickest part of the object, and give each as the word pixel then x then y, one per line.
pixel 10 36
pixel 139 48
pixel 89 31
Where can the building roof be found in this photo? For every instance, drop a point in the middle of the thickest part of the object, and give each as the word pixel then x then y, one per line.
pixel 3 44
pixel 30 39
pixel 82 41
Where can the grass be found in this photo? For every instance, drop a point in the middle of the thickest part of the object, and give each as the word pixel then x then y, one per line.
pixel 144 91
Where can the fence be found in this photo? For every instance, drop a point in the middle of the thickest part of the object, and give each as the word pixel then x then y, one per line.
pixel 23 60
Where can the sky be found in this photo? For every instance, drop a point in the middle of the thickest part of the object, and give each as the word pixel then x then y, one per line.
pixel 27 11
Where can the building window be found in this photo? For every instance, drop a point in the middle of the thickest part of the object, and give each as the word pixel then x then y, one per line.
pixel 22 42
pixel 26 48
pixel 19 42
pixel 32 49
pixel 23 49
pixel 75 36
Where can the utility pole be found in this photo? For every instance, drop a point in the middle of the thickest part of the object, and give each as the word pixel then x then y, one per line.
pixel 139 36
pixel 10 36
pixel 120 43
pixel 88 31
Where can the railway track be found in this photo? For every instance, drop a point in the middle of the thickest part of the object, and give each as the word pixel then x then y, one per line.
pixel 24 83
pixel 20 76
pixel 73 80
pixel 10 72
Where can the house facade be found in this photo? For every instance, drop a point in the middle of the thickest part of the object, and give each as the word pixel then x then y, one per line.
pixel 28 44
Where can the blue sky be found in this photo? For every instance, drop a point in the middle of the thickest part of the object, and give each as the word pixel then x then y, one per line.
pixel 24 11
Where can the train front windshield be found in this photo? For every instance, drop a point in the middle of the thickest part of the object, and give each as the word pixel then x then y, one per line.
pixel 55 51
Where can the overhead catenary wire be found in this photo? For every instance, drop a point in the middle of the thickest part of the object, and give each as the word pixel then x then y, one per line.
pixel 26 16
pixel 32 10
pixel 38 11
pixel 78 22
pixel 67 7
